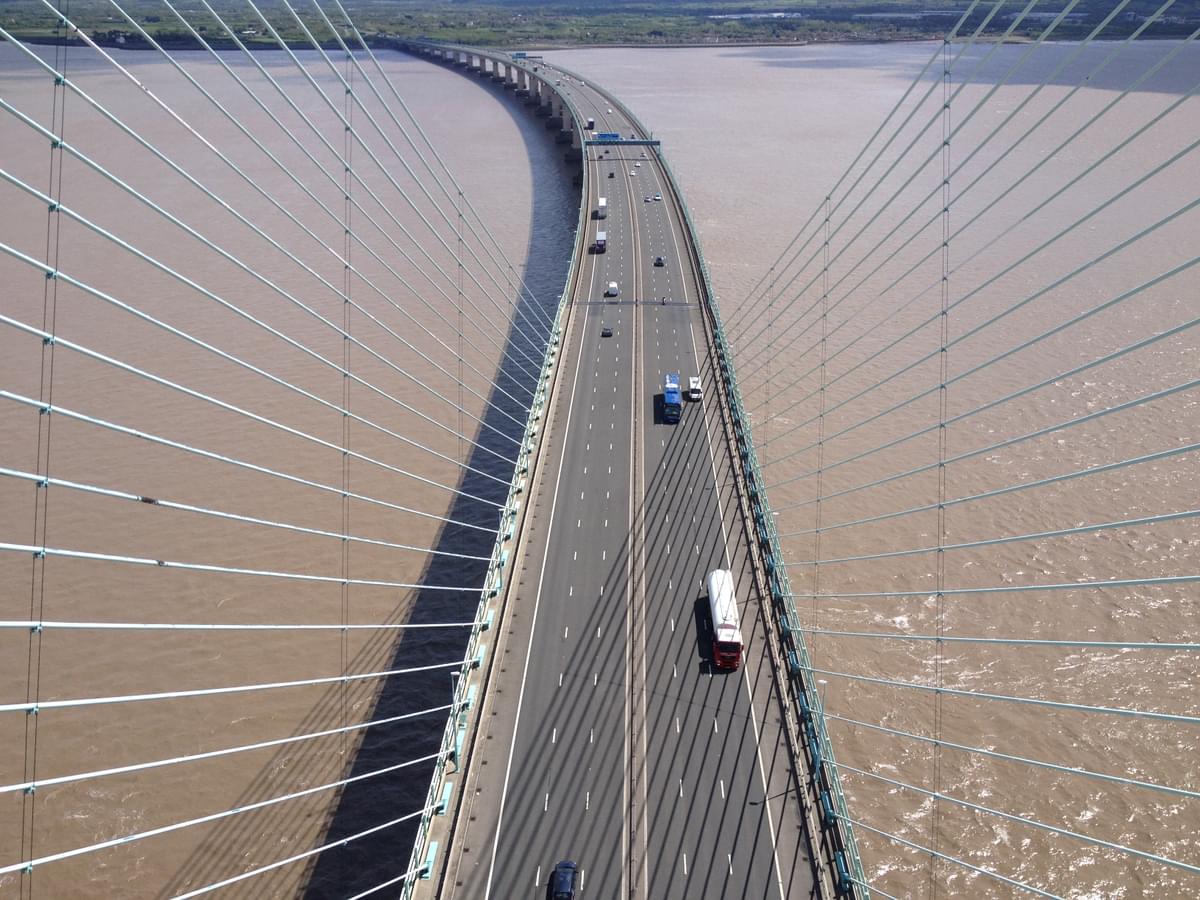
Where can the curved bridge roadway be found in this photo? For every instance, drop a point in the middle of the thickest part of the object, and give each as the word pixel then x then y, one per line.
pixel 606 737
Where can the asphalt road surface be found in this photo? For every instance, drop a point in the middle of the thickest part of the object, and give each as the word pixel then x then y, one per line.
pixel 609 738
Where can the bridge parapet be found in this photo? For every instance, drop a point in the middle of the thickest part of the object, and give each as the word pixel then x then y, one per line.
pixel 442 799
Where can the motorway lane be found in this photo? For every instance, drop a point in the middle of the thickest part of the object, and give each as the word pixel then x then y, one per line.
pixel 564 794
pixel 699 781
pixel 712 834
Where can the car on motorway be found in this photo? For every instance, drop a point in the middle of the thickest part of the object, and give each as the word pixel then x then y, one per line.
pixel 658 196
pixel 605 331
pixel 612 290
pixel 632 173
pixel 659 261
pixel 612 174
pixel 647 198
pixel 562 881
pixel 610 112
pixel 637 165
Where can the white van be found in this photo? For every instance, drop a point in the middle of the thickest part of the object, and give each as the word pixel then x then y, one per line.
pixel 694 390
pixel 612 290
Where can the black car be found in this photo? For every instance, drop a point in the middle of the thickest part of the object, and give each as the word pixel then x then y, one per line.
pixel 605 331
pixel 611 175
pixel 562 881
pixel 659 261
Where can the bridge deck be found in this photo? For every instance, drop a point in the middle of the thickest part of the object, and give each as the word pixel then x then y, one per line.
pixel 606 735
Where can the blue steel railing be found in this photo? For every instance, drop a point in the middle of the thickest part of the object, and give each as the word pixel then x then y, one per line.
pixel 837 830
pixel 438 799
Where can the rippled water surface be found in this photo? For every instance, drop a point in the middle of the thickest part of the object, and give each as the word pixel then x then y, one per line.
pixel 757 137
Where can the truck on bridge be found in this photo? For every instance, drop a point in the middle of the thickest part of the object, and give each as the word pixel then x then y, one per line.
pixel 727 632
pixel 601 242
pixel 602 208
pixel 672 398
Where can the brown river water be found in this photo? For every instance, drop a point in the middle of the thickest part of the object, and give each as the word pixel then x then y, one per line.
pixel 757 137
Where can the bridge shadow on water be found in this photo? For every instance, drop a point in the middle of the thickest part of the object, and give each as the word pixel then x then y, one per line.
pixel 371 860
pixel 367 862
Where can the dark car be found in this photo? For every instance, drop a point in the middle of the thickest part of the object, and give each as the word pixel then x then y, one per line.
pixel 605 331
pixel 611 174
pixel 659 261
pixel 562 881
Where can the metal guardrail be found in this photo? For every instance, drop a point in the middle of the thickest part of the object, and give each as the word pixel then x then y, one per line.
pixel 440 794
pixel 834 816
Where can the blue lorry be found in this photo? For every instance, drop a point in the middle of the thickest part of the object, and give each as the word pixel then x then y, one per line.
pixel 672 398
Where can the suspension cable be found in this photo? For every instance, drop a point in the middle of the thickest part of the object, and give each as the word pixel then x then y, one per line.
pixel 934 191
pixel 224 514
pixel 1011 882
pixel 101 295
pixel 1017 223
pixel 541 317
pixel 428 143
pixel 255 417
pixel 46 408
pixel 1026 344
pixel 1017 487
pixel 264 108
pixel 1059 426
pixel 1008 698
pixel 211 817
pixel 934 119
pixel 251 57
pixel 1022 820
pixel 383 169
pixel 70 553
pixel 1025 760
pixel 43 783
pixel 743 314
pixel 341 842
pixel 240 173
pixel 78 703
pixel 1007 539
pixel 239 263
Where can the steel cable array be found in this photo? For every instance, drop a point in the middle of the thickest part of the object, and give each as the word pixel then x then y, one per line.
pixel 979 449
pixel 277 310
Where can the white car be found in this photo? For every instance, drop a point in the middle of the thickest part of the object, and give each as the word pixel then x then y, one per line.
pixel 632 172
pixel 637 165
pixel 610 112
pixel 612 290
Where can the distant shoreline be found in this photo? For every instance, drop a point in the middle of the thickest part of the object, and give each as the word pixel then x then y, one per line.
pixel 392 43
